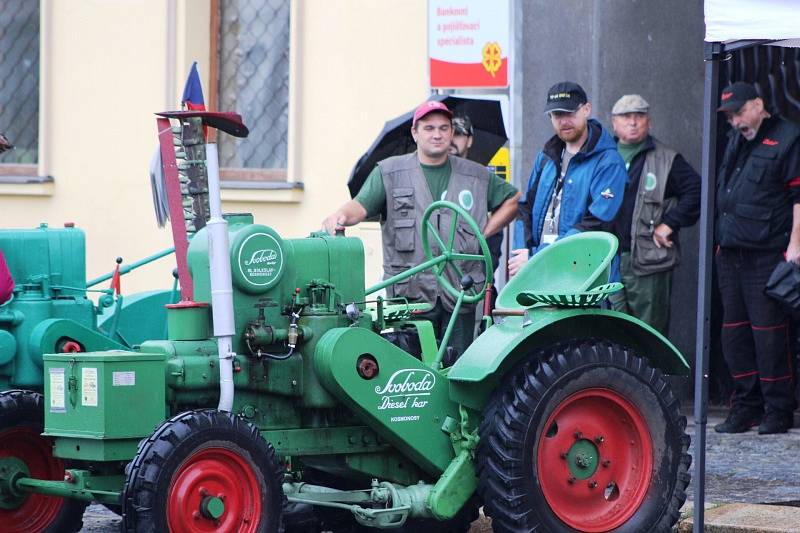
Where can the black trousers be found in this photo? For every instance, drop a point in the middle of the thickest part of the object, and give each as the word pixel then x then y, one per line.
pixel 755 331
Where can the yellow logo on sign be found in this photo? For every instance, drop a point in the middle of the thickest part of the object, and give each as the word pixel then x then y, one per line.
pixel 492 60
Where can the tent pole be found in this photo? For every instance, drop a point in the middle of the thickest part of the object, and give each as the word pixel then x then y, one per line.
pixel 712 56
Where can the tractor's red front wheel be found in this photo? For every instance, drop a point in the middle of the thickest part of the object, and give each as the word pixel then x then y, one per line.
pixel 21 426
pixel 203 471
pixel 587 437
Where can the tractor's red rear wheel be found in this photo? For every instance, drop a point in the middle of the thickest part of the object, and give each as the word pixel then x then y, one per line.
pixel 203 471
pixel 587 437
pixel 599 443
pixel 21 425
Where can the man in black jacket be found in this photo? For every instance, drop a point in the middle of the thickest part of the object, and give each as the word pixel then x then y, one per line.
pixel 662 195
pixel 757 224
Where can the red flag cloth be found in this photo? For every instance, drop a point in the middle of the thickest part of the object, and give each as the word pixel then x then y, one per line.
pixel 115 281
pixel 6 281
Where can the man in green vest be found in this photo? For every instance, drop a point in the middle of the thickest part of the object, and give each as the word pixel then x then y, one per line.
pixel 399 190
pixel 662 195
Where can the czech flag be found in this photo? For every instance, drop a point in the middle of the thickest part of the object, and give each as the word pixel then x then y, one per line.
pixel 193 92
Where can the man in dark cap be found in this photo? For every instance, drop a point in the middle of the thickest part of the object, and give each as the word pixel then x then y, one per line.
pixel 399 190
pixel 577 181
pixel 757 224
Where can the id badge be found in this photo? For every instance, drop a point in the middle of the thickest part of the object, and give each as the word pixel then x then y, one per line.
pixel 549 239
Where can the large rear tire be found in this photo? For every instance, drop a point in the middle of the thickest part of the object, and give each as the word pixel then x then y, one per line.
pixel 21 428
pixel 583 436
pixel 203 471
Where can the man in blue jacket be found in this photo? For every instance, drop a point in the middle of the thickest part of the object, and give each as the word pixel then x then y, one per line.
pixel 577 181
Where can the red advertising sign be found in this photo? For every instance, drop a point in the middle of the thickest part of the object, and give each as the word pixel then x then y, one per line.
pixel 468 43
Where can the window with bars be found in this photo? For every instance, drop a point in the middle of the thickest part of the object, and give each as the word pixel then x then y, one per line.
pixel 252 79
pixel 19 85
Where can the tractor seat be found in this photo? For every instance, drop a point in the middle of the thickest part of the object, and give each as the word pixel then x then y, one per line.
pixel 564 273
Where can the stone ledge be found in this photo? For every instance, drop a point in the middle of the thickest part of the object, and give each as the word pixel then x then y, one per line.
pixel 748 518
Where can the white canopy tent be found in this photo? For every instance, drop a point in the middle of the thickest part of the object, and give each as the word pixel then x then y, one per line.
pixel 730 25
pixel 739 20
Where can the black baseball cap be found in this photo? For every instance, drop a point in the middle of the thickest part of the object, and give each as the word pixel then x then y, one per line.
pixel 565 96
pixel 735 95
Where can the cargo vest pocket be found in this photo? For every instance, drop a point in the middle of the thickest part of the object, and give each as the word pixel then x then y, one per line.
pixel 751 223
pixel 465 241
pixel 404 234
pixel 402 198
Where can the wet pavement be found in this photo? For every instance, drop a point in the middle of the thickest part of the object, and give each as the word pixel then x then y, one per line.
pixel 748 467
pixel 745 467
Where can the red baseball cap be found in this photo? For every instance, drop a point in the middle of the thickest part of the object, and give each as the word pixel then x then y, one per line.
pixel 428 107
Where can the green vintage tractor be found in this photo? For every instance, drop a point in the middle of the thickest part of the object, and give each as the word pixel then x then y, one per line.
pixel 51 312
pixel 318 405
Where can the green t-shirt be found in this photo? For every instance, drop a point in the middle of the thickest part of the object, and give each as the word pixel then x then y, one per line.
pixel 373 194
pixel 629 151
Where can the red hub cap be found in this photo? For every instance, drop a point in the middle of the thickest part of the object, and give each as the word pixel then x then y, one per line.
pixel 595 460
pixel 215 489
pixel 37 511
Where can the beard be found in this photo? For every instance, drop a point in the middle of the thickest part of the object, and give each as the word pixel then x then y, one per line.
pixel 572 135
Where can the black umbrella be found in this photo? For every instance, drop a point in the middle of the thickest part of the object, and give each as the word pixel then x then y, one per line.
pixel 395 138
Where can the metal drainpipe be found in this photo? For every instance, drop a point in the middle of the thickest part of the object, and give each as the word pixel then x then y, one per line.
pixel 221 285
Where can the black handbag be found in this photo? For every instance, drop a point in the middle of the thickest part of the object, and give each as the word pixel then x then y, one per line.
pixel 784 285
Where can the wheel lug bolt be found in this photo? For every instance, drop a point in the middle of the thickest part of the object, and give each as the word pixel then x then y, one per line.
pixel 196 515
pixel 221 496
pixel 203 491
pixel 592 484
pixel 578 435
pixel 571 480
pixel 563 455
pixel 599 439
pixel 605 463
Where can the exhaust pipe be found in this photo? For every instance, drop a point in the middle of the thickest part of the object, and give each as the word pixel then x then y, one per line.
pixel 221 283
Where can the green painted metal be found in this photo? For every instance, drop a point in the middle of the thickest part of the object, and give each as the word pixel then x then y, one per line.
pixel 142 316
pixel 124 269
pixel 96 449
pixel 11 470
pixel 50 306
pixel 43 258
pixel 91 397
pixel 437 363
pixel 212 507
pixel 573 264
pixel 582 459
pixel 325 441
pixel 406 403
pixel 479 370
pixel 189 323
pixel 407 274
pixel 454 488
pixel 446 249
pixel 48 335
pixel 427 338
pixel 78 485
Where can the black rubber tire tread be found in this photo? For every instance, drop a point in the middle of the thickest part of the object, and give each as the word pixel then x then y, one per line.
pixel 522 403
pixel 26 408
pixel 148 476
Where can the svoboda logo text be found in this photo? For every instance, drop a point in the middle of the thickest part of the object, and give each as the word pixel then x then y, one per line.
pixel 406 389
pixel 261 256
pixel 408 381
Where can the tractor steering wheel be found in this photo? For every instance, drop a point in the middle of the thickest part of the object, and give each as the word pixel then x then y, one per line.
pixel 451 256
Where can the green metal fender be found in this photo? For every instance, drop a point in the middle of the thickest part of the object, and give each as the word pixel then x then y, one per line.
pixel 479 370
